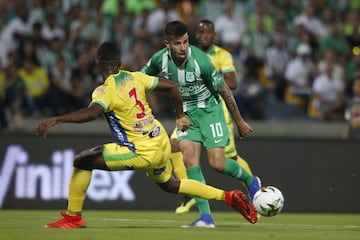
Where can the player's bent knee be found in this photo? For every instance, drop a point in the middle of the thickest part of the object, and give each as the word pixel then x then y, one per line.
pixel 90 152
pixel 90 159
pixel 217 166
pixel 171 186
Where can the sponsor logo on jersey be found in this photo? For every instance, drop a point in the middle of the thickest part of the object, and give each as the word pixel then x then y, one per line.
pixel 154 132
pixel 216 78
pixel 188 89
pixel 189 76
pixel 100 90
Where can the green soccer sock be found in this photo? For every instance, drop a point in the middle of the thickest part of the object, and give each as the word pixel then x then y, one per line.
pixel 233 169
pixel 196 174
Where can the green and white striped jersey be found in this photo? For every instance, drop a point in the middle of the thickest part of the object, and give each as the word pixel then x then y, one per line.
pixel 197 77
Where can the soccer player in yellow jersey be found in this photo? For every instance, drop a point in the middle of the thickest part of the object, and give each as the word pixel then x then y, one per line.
pixel 140 141
pixel 223 62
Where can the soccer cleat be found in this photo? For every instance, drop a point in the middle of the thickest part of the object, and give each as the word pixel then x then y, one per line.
pixel 204 221
pixel 68 222
pixel 237 200
pixel 254 187
pixel 185 206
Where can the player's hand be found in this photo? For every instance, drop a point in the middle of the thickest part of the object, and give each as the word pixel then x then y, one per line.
pixel 183 124
pixel 42 127
pixel 244 128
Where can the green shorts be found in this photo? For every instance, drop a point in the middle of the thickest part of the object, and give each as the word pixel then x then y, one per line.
pixel 208 127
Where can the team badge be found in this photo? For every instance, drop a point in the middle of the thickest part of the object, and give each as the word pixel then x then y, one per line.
pixel 190 77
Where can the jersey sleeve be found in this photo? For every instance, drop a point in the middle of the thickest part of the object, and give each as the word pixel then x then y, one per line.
pixel 104 96
pixel 211 76
pixel 150 82
pixel 151 68
pixel 227 63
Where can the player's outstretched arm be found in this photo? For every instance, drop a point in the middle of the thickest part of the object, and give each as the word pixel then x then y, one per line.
pixel 83 115
pixel 172 89
pixel 243 127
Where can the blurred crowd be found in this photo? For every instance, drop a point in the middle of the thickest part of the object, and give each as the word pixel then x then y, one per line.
pixel 295 59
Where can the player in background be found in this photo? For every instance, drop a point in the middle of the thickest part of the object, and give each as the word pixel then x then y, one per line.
pixel 223 62
pixel 200 86
pixel 140 141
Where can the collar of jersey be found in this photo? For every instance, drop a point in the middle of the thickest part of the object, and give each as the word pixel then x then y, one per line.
pixel 212 51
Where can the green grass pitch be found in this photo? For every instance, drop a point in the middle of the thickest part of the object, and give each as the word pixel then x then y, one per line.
pixel 158 225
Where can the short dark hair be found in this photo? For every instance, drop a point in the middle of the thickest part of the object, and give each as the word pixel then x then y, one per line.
pixel 175 28
pixel 108 51
pixel 206 22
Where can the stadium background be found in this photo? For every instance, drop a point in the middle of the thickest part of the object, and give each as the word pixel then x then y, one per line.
pixel 305 158
pixel 316 173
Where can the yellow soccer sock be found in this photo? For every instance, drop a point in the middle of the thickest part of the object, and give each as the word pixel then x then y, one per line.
pixel 79 183
pixel 198 189
pixel 177 161
pixel 243 164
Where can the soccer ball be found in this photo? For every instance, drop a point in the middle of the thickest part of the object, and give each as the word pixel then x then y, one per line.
pixel 268 201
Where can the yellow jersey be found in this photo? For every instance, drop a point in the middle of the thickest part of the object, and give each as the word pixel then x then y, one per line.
pixel 221 59
pixel 126 109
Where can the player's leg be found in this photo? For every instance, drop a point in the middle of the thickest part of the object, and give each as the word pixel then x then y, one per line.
pixel 231 153
pixel 217 137
pixel 218 162
pixel 230 149
pixel 80 180
pixel 190 145
pixel 101 157
pixel 84 163
pixel 176 157
pixel 243 163
pixel 230 167
pixel 235 199
pixel 180 172
pixel 191 152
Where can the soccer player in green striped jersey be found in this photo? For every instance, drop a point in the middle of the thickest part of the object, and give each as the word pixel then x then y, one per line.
pixel 200 85
pixel 223 62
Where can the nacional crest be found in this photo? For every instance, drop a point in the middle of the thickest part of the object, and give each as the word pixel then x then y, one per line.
pixel 189 76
